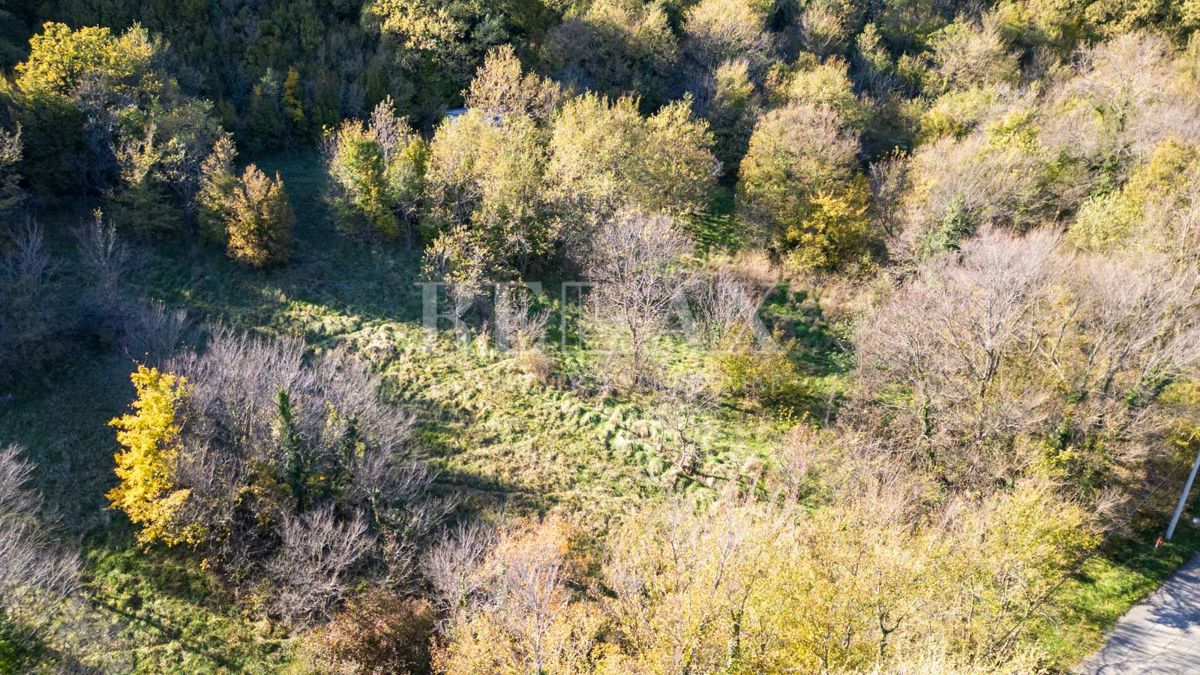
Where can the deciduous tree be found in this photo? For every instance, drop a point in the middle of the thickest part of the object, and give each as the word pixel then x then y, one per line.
pixel 259 224
pixel 635 262
pixel 377 174
pixel 148 492
pixel 798 187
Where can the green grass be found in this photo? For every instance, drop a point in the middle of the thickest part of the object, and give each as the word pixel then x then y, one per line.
pixel 1106 587
pixel 718 230
pixel 491 430
pixel 158 614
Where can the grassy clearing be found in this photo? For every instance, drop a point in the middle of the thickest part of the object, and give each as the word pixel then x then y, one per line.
pixel 501 438
pixel 485 422
pixel 488 426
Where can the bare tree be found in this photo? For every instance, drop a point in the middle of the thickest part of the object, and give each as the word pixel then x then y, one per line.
pixel 724 302
pixel 146 331
pixel 516 584
pixel 888 180
pixel 825 27
pixel 1122 101
pixel 30 309
pixel 454 566
pixel 1170 222
pixel 529 593
pixel 943 340
pixel 518 326
pixel 973 54
pixel 35 570
pixel 151 332
pixel 685 401
pixel 316 555
pixel 104 257
pixel 970 185
pixel 635 262
pixel 1136 326
pixel 1014 339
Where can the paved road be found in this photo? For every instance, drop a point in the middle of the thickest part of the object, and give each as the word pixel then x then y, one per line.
pixel 1161 635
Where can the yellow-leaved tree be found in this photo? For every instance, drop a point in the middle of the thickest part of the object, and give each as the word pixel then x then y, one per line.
pixel 260 220
pixel 149 437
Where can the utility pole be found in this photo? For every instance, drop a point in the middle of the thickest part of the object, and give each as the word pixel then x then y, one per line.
pixel 1183 498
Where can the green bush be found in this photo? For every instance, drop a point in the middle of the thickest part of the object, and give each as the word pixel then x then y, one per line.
pixel 376 174
pixel 762 373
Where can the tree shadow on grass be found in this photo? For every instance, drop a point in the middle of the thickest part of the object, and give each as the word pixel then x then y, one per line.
pixel 155 591
pixel 353 279
pixel 61 421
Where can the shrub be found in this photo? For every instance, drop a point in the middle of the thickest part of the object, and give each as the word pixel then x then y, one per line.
pixel 762 587
pixel 151 332
pixel 259 225
pixel 379 632
pixel 764 373
pixel 727 302
pixel 377 173
pixel 104 259
pixel 1146 210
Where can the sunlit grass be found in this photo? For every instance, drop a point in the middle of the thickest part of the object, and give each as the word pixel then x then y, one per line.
pixel 1107 586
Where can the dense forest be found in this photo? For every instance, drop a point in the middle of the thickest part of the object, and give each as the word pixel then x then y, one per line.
pixel 566 336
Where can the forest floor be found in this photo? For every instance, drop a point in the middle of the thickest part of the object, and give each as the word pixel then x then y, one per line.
pixel 502 439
